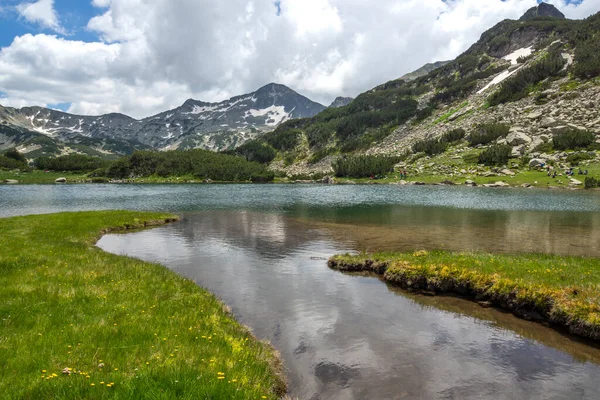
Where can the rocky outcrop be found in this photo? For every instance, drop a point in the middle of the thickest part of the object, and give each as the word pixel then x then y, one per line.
pixel 542 10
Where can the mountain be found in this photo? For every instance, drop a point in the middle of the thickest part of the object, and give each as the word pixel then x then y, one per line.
pixel 542 10
pixel 523 84
pixel 195 124
pixel 424 70
pixel 341 102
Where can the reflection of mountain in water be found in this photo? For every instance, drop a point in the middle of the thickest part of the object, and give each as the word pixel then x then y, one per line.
pixel 397 227
pixel 269 235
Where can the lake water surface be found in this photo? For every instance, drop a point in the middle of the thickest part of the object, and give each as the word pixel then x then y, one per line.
pixel 263 250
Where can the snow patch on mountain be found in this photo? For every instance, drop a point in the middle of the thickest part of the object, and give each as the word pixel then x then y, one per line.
pixel 276 114
pixel 514 56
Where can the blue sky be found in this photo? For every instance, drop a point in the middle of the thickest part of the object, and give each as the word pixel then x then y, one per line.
pixel 73 14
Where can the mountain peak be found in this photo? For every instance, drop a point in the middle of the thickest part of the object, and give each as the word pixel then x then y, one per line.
pixel 341 102
pixel 542 10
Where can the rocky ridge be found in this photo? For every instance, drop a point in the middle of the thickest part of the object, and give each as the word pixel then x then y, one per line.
pixel 195 124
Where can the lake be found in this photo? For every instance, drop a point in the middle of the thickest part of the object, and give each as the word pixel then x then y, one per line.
pixel 263 250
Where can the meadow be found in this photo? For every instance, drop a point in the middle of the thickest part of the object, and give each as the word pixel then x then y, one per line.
pixel 78 323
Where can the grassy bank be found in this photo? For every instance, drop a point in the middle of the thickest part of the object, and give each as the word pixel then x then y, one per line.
pixel 563 291
pixel 37 176
pixel 78 323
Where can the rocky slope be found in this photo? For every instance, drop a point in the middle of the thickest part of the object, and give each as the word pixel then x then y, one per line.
pixel 196 124
pixel 341 102
pixel 539 76
pixel 424 70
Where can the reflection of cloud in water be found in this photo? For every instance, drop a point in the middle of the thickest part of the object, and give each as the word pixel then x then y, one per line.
pixel 349 337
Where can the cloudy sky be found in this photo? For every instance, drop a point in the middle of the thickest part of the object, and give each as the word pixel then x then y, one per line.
pixel 141 57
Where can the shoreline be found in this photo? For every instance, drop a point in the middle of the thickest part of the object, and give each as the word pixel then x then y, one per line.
pixel 565 308
pixel 496 185
pixel 74 292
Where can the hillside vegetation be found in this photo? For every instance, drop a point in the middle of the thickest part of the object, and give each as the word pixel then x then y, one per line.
pixel 403 119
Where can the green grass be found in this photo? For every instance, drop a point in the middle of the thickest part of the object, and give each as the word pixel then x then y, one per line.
pixel 565 290
pixel 37 176
pixel 127 329
pixel 450 113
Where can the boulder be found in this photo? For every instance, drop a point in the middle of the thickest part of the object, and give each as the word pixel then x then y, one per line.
pixel 496 185
pixel 11 181
pixel 469 182
pixel 536 162
pixel 534 115
pixel 517 151
pixel 517 138
pixel 548 122
pixel 575 182
pixel 544 138
pixel 328 180
pixel 60 180
pixel 534 143
pixel 507 172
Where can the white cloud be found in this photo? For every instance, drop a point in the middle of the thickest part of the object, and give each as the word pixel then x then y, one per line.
pixel 153 55
pixel 101 3
pixel 41 12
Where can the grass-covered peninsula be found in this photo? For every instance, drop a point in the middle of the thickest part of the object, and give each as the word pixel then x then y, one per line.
pixel 563 291
pixel 79 323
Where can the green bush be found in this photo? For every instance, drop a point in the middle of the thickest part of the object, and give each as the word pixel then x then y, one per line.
pixel 575 158
pixel 592 183
pixel 11 163
pixel 495 155
pixel 255 150
pixel 430 147
pixel 15 155
pixel 487 133
pixel 283 139
pixel 202 164
pixel 573 139
pixel 453 136
pixel 71 162
pixel 544 148
pixel 363 166
pixel 587 59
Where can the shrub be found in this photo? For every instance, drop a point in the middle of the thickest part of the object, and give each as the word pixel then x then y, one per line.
pixel 15 155
pixel 587 62
pixel 487 133
pixel 430 147
pixel 11 163
pixel 202 164
pixel 495 155
pixel 283 139
pixel 453 136
pixel 71 162
pixel 363 166
pixel 592 183
pixel 256 150
pixel 573 139
pixel 544 148
pixel 576 158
